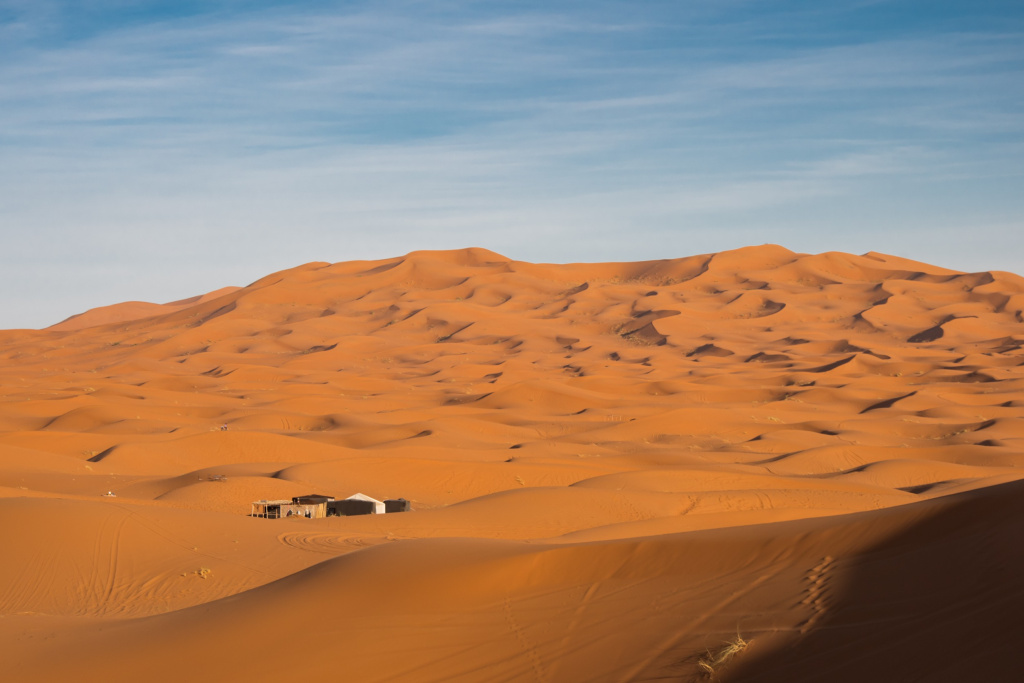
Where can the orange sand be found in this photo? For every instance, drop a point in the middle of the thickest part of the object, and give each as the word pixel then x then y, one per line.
pixel 615 469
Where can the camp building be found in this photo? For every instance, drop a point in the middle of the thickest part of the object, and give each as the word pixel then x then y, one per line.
pixel 316 506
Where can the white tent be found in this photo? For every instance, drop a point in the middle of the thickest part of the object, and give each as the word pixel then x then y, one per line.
pixel 378 505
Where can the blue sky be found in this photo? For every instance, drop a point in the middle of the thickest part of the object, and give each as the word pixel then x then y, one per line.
pixel 151 151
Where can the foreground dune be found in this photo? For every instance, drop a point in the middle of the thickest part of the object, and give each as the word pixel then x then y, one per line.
pixel 616 470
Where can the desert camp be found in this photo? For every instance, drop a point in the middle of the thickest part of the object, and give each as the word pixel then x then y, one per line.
pixel 313 506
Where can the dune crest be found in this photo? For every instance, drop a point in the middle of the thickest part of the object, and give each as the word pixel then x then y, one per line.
pixel 617 471
pixel 131 310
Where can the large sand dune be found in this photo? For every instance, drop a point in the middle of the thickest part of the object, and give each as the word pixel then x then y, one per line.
pixel 616 471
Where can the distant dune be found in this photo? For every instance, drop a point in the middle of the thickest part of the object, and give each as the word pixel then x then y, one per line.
pixel 131 310
pixel 754 465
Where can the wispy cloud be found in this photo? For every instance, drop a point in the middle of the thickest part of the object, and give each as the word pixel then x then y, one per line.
pixel 232 140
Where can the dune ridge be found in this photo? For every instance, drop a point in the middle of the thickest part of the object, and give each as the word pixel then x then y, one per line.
pixel 571 437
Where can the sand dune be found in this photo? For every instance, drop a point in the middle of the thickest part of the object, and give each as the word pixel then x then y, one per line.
pixel 615 469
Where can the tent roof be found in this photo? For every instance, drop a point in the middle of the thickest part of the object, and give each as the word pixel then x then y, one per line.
pixel 360 496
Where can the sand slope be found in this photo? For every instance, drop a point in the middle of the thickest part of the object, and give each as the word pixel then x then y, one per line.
pixel 923 592
pixel 614 469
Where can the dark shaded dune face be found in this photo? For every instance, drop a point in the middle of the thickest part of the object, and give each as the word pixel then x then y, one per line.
pixel 596 456
pixel 942 622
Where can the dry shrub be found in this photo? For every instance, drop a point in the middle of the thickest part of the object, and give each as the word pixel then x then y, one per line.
pixel 714 661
